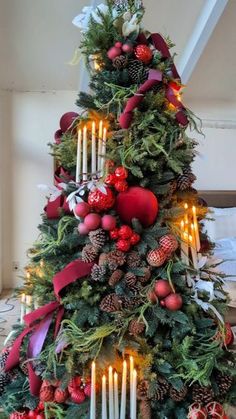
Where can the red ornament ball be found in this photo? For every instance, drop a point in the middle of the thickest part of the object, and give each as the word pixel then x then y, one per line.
pixel 127 48
pixel 168 243
pixel 83 229
pixel 121 173
pixel 100 201
pixel 162 303
pixel 67 120
pixel 196 411
pixel 40 416
pixel 137 202
pixel 173 302
pixel 123 245
pixel 114 52
pixel 156 257
pixel 78 396
pixel 143 53
pixel 57 136
pixel 92 221
pixel 18 415
pixel 118 44
pixel 82 209
pixel 125 232
pixel 121 185
pixel 61 395
pixel 135 239
pixel 162 288
pixel 87 390
pixel 215 410
pixel 114 234
pixel 108 222
pixel 110 179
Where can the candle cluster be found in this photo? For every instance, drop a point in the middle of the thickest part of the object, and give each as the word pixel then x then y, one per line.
pixel 111 408
pixel 98 151
pixel 190 240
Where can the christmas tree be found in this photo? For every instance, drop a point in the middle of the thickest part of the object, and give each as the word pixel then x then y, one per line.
pixel 124 298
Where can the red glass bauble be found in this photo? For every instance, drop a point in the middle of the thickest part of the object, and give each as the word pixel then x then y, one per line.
pixel 121 173
pixel 123 245
pixel 121 185
pixel 196 411
pixel 114 234
pixel 137 202
pixel 173 302
pixel 100 201
pixel 67 120
pixel 110 179
pixel 125 232
pixel 162 288
pixel 143 53
pixel 135 239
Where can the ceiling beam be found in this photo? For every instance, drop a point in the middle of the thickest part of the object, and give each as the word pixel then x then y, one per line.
pixel 202 31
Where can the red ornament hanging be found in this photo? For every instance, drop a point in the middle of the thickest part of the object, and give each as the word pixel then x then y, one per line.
pixel 143 53
pixel 196 411
pixel 100 201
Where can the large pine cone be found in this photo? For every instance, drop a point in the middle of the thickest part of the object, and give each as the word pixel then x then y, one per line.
pixel 224 382
pixel 89 253
pixel 178 395
pixel 161 389
pixel 201 394
pixel 5 378
pixel 115 259
pixel 97 238
pixel 110 303
pixel 142 390
pixel 145 409
pixel 130 279
pixel 138 73
pixel 133 259
pixel 136 327
pixel 186 179
pixel 98 273
pixel 120 62
pixel 3 357
pixel 115 277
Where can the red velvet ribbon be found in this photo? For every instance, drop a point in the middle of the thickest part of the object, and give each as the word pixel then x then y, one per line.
pixel 38 321
pixel 53 208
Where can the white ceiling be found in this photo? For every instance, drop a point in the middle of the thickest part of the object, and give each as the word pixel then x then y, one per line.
pixel 37 40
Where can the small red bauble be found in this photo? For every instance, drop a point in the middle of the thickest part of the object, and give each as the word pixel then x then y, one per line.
pixel 114 52
pixel 137 202
pixel 108 222
pixel 173 302
pixel 82 209
pixel 74 384
pixel 87 390
pixel 78 396
pixel 135 239
pixel 92 221
pixel 114 234
pixel 156 257
pixel 168 243
pixel 152 297
pixel 118 44
pixel 111 179
pixel 100 201
pixel 83 229
pixel 123 245
pixel 128 48
pixel 143 53
pixel 67 119
pixel 162 288
pixel 60 395
pixel 125 232
pixel 196 411
pixel 121 173
pixel 121 186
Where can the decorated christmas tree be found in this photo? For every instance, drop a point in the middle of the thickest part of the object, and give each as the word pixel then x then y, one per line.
pixel 123 306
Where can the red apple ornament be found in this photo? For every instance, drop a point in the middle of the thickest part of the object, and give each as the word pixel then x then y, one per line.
pixel 173 302
pixel 162 288
pixel 137 202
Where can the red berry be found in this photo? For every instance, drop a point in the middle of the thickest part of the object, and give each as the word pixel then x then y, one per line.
pixel 162 303
pixel 121 186
pixel 108 222
pixel 125 232
pixel 121 173
pixel 114 52
pixel 111 179
pixel 40 406
pixel 114 234
pixel 118 44
pixel 87 390
pixel 82 209
pixel 143 53
pixel 152 297
pixel 83 229
pixel 32 414
pixel 92 221
pixel 127 48
pixel 123 245
pixel 78 396
pixel 135 239
pixel 173 302
pixel 40 416
pixel 162 288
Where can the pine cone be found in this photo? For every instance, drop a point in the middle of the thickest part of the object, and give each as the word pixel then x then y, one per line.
pixel 146 277
pixel 136 327
pixel 145 409
pixel 5 378
pixel 115 259
pixel 110 303
pixel 120 62
pixel 130 303
pixel 186 179
pixel 97 238
pixel 115 277
pixel 46 394
pixel 224 382
pixel 201 394
pixel 138 73
pixel 98 273
pixel 162 389
pixel 142 390
pixel 3 357
pixel 133 259
pixel 102 259
pixel 178 395
pixel 89 253
pixel 172 187
pixel 130 279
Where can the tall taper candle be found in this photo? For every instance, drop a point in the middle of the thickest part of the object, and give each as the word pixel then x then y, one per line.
pixel 93 392
pixel 111 393
pixel 22 308
pixel 103 152
pixel 123 391
pixel 196 229
pixel 133 413
pixel 93 152
pixel 28 302
pixel 193 251
pixel 116 396
pixel 78 160
pixel 100 135
pixel 85 153
pixel 131 370
pixel 104 397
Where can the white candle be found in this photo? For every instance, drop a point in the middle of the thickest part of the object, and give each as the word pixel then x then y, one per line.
pixel 28 302
pixel 123 391
pixel 100 133
pixel 103 152
pixel 93 392
pixel 22 308
pixel 111 393
pixel 193 252
pixel 186 213
pixel 131 370
pixel 133 413
pixel 93 152
pixel 116 396
pixel 78 161
pixel 104 397
pixel 85 153
pixel 196 230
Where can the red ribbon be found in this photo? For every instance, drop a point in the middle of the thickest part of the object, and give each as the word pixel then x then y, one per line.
pixel 39 321
pixel 53 208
